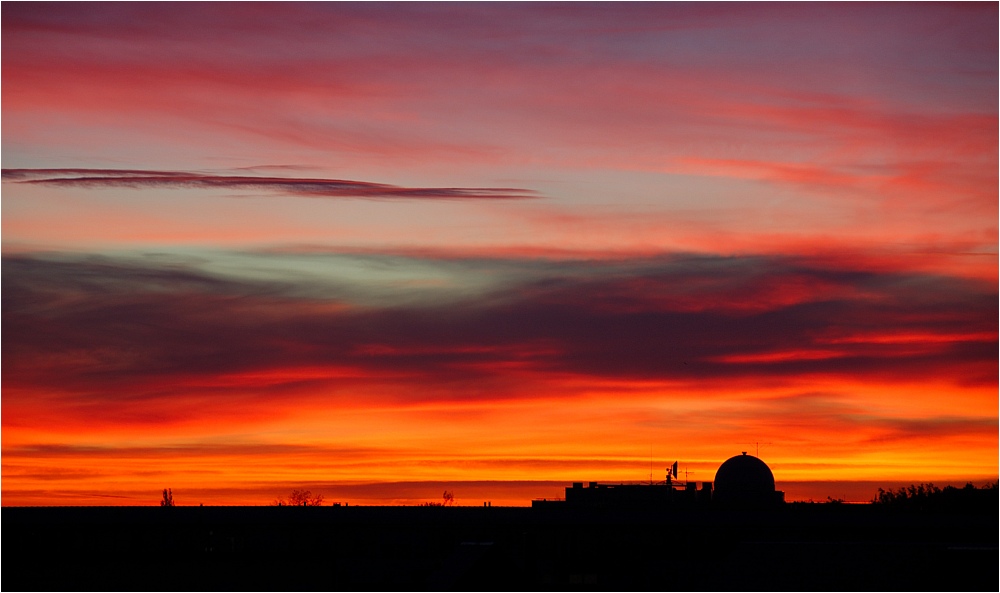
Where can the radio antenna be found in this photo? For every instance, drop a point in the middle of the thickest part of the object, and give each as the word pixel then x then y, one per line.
pixel 757 445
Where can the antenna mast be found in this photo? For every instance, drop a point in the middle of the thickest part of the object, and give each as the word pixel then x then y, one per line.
pixel 757 445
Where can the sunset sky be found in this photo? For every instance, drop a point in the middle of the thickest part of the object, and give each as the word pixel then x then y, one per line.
pixel 382 250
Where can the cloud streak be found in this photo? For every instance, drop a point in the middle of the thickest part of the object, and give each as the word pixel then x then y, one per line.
pixel 292 186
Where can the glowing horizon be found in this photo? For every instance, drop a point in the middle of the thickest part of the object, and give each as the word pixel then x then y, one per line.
pixel 357 247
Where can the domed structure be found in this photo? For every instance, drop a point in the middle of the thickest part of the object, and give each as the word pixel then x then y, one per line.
pixel 745 480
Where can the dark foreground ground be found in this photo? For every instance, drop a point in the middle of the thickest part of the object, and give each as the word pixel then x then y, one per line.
pixel 798 547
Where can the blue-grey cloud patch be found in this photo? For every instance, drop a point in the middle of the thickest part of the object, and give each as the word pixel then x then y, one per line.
pixel 289 186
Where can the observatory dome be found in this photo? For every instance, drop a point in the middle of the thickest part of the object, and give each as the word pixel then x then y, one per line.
pixel 744 479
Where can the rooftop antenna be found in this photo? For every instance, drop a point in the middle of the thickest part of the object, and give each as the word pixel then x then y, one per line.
pixel 671 473
pixel 757 445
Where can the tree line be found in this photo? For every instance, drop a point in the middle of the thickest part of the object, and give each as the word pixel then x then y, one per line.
pixel 928 497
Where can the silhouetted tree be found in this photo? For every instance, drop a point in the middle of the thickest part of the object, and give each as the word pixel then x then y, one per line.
pixel 168 498
pixel 912 496
pixel 447 499
pixel 300 498
pixel 928 497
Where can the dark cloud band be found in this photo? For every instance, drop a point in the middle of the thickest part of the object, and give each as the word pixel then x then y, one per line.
pixel 111 326
pixel 294 186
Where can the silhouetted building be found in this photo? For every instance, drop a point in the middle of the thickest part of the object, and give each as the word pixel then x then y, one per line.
pixel 626 494
pixel 745 480
pixel 741 481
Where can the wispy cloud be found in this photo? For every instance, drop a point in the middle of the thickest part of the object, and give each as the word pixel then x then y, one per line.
pixel 294 186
